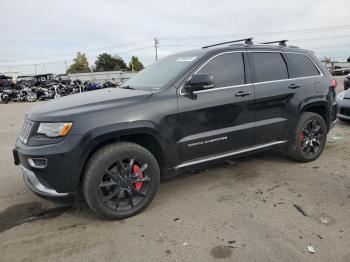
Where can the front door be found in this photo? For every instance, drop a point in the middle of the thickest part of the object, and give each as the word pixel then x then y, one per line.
pixel 218 120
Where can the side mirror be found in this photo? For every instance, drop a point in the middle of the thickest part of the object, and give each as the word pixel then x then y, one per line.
pixel 199 82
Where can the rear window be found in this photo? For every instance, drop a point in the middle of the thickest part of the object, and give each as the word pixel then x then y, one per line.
pixel 302 65
pixel 269 67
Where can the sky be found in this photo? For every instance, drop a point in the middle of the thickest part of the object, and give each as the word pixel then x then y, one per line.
pixel 45 35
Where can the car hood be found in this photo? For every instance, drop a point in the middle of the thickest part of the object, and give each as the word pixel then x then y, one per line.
pixel 70 106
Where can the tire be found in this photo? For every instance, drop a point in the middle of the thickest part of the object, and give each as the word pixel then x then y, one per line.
pixel 112 194
pixel 5 99
pixel 31 97
pixel 298 148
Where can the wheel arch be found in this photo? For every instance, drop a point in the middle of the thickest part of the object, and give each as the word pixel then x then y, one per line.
pixel 146 137
pixel 321 108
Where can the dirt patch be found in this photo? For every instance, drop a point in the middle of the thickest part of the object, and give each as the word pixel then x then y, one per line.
pixel 221 251
pixel 28 212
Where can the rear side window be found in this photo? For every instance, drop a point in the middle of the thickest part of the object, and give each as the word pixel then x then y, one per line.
pixel 302 65
pixel 269 66
pixel 226 69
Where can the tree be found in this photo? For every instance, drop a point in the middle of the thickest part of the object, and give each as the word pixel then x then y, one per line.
pixel 348 59
pixel 80 65
pixel 121 65
pixel 106 62
pixel 135 64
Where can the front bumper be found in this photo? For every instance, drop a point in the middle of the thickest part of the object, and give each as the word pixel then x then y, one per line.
pixel 344 109
pixel 346 85
pixel 63 168
pixel 37 186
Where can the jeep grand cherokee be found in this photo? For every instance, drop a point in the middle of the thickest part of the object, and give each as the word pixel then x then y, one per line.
pixel 190 108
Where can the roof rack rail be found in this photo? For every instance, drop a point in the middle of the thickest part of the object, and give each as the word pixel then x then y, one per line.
pixel 247 41
pixel 280 42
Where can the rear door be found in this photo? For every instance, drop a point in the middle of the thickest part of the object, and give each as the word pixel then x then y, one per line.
pixel 277 96
pixel 218 120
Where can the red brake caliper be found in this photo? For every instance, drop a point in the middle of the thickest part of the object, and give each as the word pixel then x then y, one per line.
pixel 138 185
pixel 301 137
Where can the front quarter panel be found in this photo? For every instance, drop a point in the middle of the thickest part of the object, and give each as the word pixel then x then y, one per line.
pixel 156 116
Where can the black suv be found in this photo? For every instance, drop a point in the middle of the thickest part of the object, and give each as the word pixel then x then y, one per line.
pixel 186 109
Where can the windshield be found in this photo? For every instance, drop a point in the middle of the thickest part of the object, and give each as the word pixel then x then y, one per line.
pixel 160 73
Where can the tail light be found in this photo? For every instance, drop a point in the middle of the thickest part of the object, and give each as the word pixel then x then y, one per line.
pixel 334 83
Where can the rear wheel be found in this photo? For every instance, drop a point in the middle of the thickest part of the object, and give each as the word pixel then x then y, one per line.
pixel 120 180
pixel 309 138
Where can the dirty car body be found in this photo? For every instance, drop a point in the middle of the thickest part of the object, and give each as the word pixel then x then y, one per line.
pixel 181 125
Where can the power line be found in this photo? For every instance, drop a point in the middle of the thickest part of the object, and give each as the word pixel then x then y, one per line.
pixel 64 61
pixel 290 40
pixel 300 31
pixel 310 30
pixel 74 52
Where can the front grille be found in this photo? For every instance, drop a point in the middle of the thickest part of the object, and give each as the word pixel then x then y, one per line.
pixel 345 111
pixel 26 130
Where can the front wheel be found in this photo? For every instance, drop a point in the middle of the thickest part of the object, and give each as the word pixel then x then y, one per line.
pixel 5 98
pixel 120 180
pixel 309 138
pixel 31 97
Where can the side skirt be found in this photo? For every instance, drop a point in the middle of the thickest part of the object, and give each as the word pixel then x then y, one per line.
pixel 232 153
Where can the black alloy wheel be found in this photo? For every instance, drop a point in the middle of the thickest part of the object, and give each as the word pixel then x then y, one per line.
pixel 120 180
pixel 124 185
pixel 311 138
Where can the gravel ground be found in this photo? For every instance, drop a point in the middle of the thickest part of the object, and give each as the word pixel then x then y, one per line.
pixel 260 208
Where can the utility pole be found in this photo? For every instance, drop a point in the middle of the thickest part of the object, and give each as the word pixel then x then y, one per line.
pixel 35 68
pixel 156 43
pixel 65 63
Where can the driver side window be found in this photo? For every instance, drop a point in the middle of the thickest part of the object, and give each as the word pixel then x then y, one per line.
pixel 227 69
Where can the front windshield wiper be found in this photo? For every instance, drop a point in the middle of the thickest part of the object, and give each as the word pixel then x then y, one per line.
pixel 128 87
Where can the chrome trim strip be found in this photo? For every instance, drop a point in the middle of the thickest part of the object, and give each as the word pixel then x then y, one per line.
pixel 219 88
pixel 226 130
pixel 256 83
pixel 33 183
pixel 241 151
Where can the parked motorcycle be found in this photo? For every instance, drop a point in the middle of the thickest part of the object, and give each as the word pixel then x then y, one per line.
pixel 108 84
pixel 63 90
pixel 44 93
pixel 89 86
pixel 25 94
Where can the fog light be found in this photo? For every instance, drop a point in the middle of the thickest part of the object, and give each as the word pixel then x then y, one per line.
pixel 37 162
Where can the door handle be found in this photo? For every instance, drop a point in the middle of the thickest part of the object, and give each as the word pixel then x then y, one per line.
pixel 293 86
pixel 242 93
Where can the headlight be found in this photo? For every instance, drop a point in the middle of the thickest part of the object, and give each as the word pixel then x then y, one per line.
pixel 54 129
pixel 341 95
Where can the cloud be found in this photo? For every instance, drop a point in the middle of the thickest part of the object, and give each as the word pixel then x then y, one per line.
pixel 33 31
